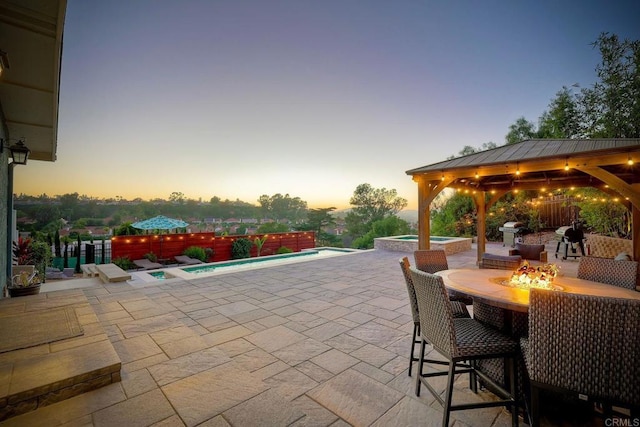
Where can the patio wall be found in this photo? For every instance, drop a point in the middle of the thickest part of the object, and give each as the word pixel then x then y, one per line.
pixel 167 246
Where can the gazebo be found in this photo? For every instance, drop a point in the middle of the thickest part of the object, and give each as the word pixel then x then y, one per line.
pixel 607 164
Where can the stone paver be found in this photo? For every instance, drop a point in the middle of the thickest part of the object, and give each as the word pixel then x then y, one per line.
pixel 320 343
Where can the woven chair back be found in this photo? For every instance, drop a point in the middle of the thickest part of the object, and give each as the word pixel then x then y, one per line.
pixel 610 271
pixel 434 308
pixel 405 266
pixel 431 260
pixel 586 344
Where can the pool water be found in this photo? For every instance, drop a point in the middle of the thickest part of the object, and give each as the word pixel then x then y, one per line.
pixel 239 264
pixel 157 274
pixel 261 261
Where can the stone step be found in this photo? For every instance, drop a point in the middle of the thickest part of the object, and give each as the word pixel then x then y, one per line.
pixel 38 376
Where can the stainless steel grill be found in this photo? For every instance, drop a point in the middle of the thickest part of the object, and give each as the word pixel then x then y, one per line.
pixel 510 231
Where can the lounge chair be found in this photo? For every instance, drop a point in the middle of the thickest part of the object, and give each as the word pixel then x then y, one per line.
pixel 145 264
pixel 54 273
pixel 183 259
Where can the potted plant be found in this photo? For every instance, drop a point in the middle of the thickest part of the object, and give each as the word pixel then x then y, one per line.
pixel 25 283
pixel 32 257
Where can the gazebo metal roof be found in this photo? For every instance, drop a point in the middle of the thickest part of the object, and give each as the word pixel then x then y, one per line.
pixel 536 163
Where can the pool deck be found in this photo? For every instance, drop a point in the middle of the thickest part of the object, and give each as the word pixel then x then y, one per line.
pixel 322 343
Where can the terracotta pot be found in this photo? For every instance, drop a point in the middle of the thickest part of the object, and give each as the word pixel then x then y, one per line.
pixel 28 290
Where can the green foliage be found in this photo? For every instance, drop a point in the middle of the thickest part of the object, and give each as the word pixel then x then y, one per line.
pixel 41 254
pixel 562 120
pixel 57 246
pixel 196 252
pixel 610 108
pixel 282 207
pixel 520 131
pixel 389 226
pixel 371 205
pixel 241 248
pixel 259 242
pixel 318 219
pixel 126 229
pixel 330 240
pixel 241 230
pixel 467 149
pixel 151 257
pixel 284 250
pixel 272 227
pixel 124 263
pixel 603 217
pixel 511 208
pixel 451 219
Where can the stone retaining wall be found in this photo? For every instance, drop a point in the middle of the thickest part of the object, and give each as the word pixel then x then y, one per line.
pixel 453 246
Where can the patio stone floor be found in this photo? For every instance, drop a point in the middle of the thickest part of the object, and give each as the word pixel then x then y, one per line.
pixel 319 343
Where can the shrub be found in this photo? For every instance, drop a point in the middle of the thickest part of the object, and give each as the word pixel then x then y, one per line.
pixel 151 257
pixel 284 250
pixel 241 248
pixel 124 263
pixel 196 252
pixel 209 253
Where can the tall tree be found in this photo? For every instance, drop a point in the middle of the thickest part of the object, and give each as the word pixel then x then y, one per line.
pixel 370 205
pixel 562 120
pixel 611 107
pixel 467 150
pixel 320 218
pixel 282 207
pixel 521 130
pixel 177 198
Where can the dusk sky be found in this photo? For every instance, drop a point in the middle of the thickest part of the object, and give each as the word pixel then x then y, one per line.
pixel 238 98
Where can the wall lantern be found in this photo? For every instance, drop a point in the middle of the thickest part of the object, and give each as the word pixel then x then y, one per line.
pixel 19 151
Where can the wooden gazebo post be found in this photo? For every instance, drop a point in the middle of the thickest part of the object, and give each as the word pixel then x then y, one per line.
pixel 427 192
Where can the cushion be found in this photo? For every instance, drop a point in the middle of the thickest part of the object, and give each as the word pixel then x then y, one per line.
pixel 622 256
pixel 528 251
pixel 488 255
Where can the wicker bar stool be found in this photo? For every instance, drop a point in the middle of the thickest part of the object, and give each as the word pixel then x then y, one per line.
pixel 460 341
pixel 458 308
pixel 620 273
pixel 585 346
pixel 434 260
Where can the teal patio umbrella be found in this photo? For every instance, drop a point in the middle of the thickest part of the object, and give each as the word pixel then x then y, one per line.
pixel 159 222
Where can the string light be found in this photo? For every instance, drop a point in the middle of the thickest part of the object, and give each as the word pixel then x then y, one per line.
pixel 477 175
pixel 518 169
pixel 629 160
pixel 442 179
pixel 566 165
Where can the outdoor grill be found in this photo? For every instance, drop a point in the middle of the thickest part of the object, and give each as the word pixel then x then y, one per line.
pixel 511 230
pixel 570 236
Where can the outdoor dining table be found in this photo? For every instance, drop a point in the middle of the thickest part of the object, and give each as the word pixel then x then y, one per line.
pixel 485 285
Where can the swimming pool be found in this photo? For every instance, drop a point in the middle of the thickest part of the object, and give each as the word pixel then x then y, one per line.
pixel 223 267
pixel 409 243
